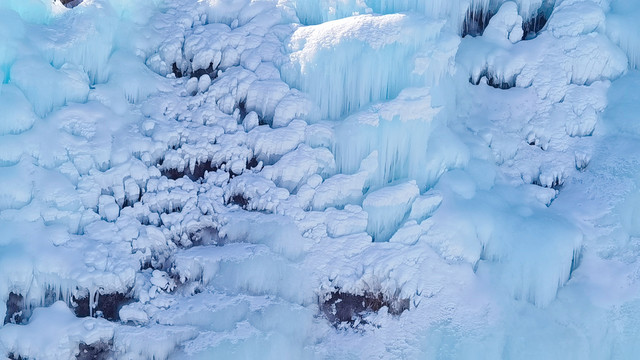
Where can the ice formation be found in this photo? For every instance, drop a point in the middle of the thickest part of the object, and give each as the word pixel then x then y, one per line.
pixel 319 179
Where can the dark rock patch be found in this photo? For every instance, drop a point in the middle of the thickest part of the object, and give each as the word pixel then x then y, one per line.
pixel 198 172
pixel 556 184
pixel 242 106
pixel 494 81
pixel 252 163
pixel 71 3
pixel 211 71
pixel 96 351
pixel 195 73
pixel 106 306
pixel 345 308
pixel 12 356
pixel 15 309
pixel 535 24
pixel 238 199
pixel 475 21
pixel 176 71
pixel 205 236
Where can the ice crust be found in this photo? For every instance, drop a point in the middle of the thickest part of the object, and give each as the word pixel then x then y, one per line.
pixel 225 166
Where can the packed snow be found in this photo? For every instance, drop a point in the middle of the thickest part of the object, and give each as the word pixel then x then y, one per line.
pixel 330 179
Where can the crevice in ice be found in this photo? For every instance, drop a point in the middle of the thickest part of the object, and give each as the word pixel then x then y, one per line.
pixel 475 21
pixel 576 260
pixel 238 199
pixel 242 107
pixel 95 351
pixel 343 308
pixel 554 182
pixel 198 172
pixel 493 80
pixel 205 236
pixel 252 163
pixel 128 202
pixel 533 25
pixel 12 356
pixel 534 140
pixel 262 121
pixel 15 309
pixel 71 3
pixel 211 71
pixel 200 169
pixel 582 161
pixel 179 72
pixel 104 305
pixel 176 71
pixel 19 308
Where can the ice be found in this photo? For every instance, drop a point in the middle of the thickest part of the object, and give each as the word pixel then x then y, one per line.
pixel 387 208
pixel 203 83
pixel 323 60
pixel 424 206
pixel 622 28
pixel 416 154
pixel 47 87
pixel 16 109
pixel 155 342
pixel 203 264
pixel 456 11
pixel 506 22
pixel 306 161
pixel 15 194
pixel 341 189
pixel 349 221
pixel 264 96
pixel 107 208
pixel 293 106
pixel 565 24
pixel 54 333
pixel 211 177
pixel 284 140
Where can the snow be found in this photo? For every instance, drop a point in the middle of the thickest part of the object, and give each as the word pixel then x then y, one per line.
pixel 218 169
pixel 507 22
pixel 58 333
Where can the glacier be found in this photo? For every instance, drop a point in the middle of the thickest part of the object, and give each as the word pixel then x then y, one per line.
pixel 319 179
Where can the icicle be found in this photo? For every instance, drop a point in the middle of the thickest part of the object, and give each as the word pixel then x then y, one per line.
pixel 407 134
pixel 92 293
pixel 333 62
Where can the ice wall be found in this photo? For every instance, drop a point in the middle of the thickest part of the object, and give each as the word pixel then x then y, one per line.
pixel 410 138
pixel 456 12
pixel 333 62
pixel 622 28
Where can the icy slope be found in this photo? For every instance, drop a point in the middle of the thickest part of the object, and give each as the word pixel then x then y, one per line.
pixel 318 179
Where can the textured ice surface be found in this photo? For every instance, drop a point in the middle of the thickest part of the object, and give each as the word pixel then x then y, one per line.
pixel 319 179
pixel 620 22
pixel 333 61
